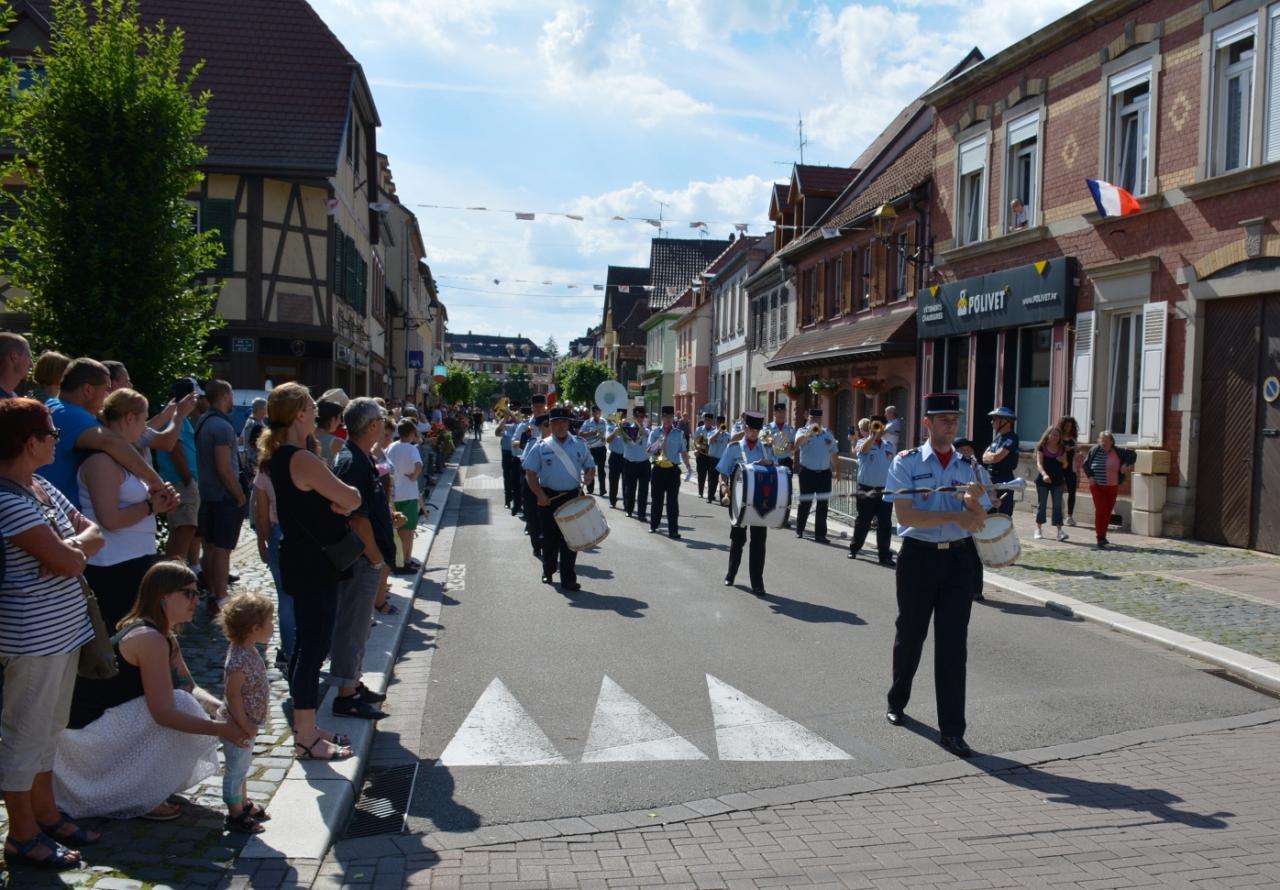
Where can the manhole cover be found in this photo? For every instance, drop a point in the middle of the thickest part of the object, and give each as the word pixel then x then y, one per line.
pixel 383 801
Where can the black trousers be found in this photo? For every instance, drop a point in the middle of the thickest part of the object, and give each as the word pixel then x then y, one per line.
pixel 755 559
pixel 556 554
pixel 1005 498
pixel 789 463
pixel 509 470
pixel 532 518
pixel 813 482
pixel 116 587
pixel 616 465
pixel 315 611
pixel 665 485
pixel 1072 479
pixel 635 487
pixel 598 455
pixel 881 511
pixel 713 481
pixel 703 464
pixel 938 585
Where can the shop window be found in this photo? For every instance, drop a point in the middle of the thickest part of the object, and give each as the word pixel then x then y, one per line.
pixel 1232 100
pixel 1021 165
pixel 955 374
pixel 1125 373
pixel 1035 352
pixel 1129 128
pixel 971 190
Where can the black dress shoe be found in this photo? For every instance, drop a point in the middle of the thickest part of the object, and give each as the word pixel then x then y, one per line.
pixel 896 717
pixel 759 591
pixel 653 529
pixel 823 540
pixel 675 536
pixel 353 706
pixel 547 579
pixel 888 561
pixel 728 582
pixel 956 745
pixel 571 585
pixel 853 554
pixel 367 694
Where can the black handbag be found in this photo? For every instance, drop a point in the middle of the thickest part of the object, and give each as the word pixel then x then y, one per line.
pixel 344 552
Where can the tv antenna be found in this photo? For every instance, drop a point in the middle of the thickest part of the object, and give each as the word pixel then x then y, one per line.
pixel 801 142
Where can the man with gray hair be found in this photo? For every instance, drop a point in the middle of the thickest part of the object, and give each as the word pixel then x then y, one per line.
pixel 253 427
pixel 15 363
pixel 356 594
pixel 892 427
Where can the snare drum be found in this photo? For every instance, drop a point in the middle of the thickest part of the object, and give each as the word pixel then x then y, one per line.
pixel 750 501
pixel 997 542
pixel 582 523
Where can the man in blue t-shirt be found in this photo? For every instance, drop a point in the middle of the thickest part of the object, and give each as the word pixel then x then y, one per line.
pixel 85 385
pixel 222 499
pixel 1001 458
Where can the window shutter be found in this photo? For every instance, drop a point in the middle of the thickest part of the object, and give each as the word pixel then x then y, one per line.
pixel 973 156
pixel 1155 326
pixel 1130 78
pixel 1082 373
pixel 1024 128
pixel 220 214
pixel 846 286
pixel 1271 151
pixel 338 264
pixel 362 287
pixel 349 284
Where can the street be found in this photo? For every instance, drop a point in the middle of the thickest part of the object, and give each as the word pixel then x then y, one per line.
pixel 656 685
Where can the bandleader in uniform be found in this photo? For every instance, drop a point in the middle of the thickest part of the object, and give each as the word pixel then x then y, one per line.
pixel 551 467
pixel 592 432
pixel 667 445
pixel 818 466
pixel 748 450
pixel 875 455
pixel 937 568
pixel 635 474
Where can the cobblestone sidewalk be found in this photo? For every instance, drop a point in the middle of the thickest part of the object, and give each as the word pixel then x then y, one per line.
pixel 1192 811
pixel 192 851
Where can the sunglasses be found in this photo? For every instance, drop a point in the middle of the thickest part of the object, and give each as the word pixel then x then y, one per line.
pixel 46 433
pixel 192 592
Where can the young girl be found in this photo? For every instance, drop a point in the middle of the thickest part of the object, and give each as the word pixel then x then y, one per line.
pixel 247 619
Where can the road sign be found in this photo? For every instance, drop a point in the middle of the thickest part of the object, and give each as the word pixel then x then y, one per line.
pixel 416 359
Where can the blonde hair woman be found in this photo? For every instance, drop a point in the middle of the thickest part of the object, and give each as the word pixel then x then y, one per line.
pixel 47 374
pixel 312 505
pixel 120 504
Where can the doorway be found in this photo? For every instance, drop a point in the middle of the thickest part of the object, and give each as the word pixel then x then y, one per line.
pixel 984 387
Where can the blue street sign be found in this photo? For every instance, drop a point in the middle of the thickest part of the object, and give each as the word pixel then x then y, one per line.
pixel 415 359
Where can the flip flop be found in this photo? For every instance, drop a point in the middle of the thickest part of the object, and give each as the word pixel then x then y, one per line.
pixel 163 815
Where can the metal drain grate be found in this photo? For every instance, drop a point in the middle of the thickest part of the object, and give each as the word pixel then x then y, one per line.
pixel 383 801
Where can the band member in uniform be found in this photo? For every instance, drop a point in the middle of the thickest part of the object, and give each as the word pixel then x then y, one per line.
pixel 592 432
pixel 749 450
pixel 1001 459
pixel 739 429
pixel 779 430
pixel 613 440
pixel 518 439
pixel 717 442
pixel 875 454
pixel 667 444
pixel 818 466
pixel 702 449
pixel 551 468
pixel 937 569
pixel 635 475
pixel 510 467
pixel 533 431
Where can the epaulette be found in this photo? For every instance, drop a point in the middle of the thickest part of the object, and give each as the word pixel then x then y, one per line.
pixel 911 453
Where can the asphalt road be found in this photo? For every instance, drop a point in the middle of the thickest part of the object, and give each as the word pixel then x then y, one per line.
pixel 655 684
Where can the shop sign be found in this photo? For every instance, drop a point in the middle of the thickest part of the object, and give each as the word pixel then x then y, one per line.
pixel 1042 291
pixel 242 344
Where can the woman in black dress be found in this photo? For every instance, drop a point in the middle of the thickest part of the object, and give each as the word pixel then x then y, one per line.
pixel 312 505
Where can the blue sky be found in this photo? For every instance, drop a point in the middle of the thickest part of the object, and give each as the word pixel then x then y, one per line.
pixel 605 109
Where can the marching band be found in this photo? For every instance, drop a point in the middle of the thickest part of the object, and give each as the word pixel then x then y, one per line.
pixel 941 498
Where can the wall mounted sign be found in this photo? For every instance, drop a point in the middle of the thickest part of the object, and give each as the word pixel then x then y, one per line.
pixel 1042 291
pixel 243 344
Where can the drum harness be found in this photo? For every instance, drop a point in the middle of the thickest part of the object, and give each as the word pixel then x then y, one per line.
pixel 568 465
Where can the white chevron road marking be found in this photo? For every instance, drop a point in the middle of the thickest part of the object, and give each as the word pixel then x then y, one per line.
pixel 499 732
pixel 625 730
pixel 749 730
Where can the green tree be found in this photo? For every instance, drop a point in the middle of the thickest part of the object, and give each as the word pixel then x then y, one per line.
pixel 517 387
pixel 577 379
pixel 551 348
pixel 457 385
pixel 103 240
pixel 483 386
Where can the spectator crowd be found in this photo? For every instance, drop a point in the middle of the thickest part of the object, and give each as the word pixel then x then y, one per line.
pixel 117 522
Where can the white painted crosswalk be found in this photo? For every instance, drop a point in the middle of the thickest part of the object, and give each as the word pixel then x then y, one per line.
pixel 498 731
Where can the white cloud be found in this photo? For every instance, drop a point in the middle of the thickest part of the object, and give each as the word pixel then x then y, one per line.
pixel 441 25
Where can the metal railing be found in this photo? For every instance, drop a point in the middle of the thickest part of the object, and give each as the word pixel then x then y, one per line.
pixel 843 503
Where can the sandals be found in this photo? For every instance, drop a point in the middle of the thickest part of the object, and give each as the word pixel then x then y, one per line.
pixel 78 838
pixel 59 856
pixel 164 812
pixel 257 811
pixel 339 752
pixel 243 824
pixel 387 608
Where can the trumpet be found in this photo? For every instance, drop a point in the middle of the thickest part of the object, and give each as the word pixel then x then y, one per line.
pixel 724 427
pixel 876 427
pixel 815 428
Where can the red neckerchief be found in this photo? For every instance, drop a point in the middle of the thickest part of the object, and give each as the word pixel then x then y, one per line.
pixel 944 458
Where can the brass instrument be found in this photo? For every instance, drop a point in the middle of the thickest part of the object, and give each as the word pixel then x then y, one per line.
pixel 781 443
pixel 659 452
pixel 815 429
pixel 701 444
pixel 876 427
pixel 724 427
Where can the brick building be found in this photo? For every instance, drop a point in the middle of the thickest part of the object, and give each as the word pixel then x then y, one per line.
pixel 1161 326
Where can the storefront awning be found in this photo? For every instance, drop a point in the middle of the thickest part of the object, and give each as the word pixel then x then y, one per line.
pixel 881 335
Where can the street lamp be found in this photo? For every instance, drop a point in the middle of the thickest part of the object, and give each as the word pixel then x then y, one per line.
pixel 883 222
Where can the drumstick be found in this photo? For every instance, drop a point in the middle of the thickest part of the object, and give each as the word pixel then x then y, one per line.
pixel 1015 485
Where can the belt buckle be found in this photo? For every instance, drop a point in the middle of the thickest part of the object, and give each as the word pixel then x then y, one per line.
pixel 944 545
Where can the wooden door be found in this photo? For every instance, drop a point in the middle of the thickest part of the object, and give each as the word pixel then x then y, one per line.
pixel 1228 428
pixel 1266 492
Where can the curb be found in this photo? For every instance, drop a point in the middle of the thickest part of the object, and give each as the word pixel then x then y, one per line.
pixel 312 803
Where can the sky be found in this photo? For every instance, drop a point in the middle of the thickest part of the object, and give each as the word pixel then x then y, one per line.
pixel 681 109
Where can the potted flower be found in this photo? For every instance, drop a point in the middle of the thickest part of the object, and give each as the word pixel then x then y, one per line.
pixel 793 391
pixel 818 386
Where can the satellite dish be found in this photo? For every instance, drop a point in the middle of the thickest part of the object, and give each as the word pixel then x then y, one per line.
pixel 611 396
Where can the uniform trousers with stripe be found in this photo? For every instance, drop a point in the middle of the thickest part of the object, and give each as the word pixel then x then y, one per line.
pixel 873 507
pixel 509 471
pixel 617 463
pixel 813 482
pixel 665 485
pixel 635 487
pixel 935 585
pixel 599 456
pixel 755 557
pixel 703 464
pixel 713 481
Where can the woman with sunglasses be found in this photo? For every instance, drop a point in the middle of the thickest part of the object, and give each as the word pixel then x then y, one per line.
pixel 146 733
pixel 43 624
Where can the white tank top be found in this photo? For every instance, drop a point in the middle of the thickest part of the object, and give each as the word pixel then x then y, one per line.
pixel 127 543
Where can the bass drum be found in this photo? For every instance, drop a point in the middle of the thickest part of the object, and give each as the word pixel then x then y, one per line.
pixel 750 487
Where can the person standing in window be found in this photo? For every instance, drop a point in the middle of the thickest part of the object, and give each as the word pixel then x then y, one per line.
pixel 1018 217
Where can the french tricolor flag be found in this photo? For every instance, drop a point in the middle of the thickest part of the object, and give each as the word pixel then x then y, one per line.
pixel 1112 200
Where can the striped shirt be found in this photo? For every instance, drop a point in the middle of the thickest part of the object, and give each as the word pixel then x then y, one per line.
pixel 38 616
